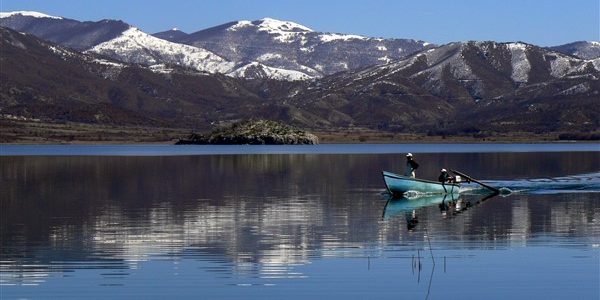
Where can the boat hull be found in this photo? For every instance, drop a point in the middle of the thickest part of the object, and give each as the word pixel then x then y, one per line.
pixel 398 185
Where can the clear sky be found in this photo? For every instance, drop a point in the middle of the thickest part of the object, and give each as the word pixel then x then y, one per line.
pixel 541 22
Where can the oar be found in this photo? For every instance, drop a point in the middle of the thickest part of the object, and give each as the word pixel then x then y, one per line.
pixel 495 190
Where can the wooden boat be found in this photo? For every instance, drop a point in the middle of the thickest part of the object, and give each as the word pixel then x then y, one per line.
pixel 398 185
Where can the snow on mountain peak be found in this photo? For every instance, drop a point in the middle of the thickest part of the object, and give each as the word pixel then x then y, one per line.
pixel 330 37
pixel 24 13
pixel 269 24
pixel 282 31
pixel 239 24
pixel 136 46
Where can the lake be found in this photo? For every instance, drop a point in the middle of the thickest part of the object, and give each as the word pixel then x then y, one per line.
pixel 296 222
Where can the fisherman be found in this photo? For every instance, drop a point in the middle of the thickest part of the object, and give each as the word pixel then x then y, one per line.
pixel 411 166
pixel 445 177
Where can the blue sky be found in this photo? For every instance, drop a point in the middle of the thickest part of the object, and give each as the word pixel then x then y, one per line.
pixel 541 22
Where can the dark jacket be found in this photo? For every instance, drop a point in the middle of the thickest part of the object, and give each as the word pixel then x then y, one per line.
pixel 444 177
pixel 413 164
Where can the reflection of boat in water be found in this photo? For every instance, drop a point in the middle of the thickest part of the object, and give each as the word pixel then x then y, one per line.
pixel 396 206
pixel 448 204
pixel 398 185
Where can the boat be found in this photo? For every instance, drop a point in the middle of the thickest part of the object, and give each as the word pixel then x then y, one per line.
pixel 397 185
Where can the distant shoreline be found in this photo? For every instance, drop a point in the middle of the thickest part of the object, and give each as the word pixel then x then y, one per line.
pixel 33 133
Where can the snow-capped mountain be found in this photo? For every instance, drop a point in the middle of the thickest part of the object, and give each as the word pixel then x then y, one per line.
pixel 47 82
pixel 459 88
pixel 504 86
pixel 135 46
pixel 23 13
pixel 582 49
pixel 478 70
pixel 291 46
pixel 66 32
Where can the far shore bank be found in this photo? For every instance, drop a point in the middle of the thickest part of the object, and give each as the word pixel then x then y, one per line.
pixel 90 134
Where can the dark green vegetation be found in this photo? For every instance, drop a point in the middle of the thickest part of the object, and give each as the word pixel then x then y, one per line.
pixel 423 95
pixel 254 132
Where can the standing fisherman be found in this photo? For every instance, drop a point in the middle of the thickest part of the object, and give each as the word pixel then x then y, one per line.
pixel 411 166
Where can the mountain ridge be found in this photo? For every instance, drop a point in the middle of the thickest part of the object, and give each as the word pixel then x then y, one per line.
pixel 462 88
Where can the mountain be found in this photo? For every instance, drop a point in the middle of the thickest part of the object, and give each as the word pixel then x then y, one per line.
pixel 582 49
pixel 66 32
pixel 135 46
pixel 47 82
pixel 291 46
pixel 465 87
pixel 259 69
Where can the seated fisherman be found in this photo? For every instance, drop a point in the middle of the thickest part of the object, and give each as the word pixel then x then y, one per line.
pixel 445 177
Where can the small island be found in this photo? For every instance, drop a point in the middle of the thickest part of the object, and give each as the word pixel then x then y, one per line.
pixel 253 132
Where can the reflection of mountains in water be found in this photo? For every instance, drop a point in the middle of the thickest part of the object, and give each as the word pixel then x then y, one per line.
pixel 581 183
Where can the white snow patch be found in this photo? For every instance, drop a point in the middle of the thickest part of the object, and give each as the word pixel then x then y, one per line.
pixel 381 48
pixel 247 70
pixel 239 24
pixel 384 59
pixel 269 56
pixel 519 61
pixel 560 66
pixel 108 63
pixel 269 24
pixel 135 46
pixel 596 63
pixel 61 51
pixel 330 37
pixel 343 65
pixel 24 13
pixel 283 31
pixel 161 68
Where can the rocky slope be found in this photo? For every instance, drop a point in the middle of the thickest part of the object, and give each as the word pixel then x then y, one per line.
pixel 581 49
pixel 469 86
pixel 47 82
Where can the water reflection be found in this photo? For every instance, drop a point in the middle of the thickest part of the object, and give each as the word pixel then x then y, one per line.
pixel 448 204
pixel 261 216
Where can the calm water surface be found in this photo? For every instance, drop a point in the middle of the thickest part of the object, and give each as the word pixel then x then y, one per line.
pixel 297 226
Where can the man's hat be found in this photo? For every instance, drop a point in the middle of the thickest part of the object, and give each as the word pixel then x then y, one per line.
pixel 409 155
